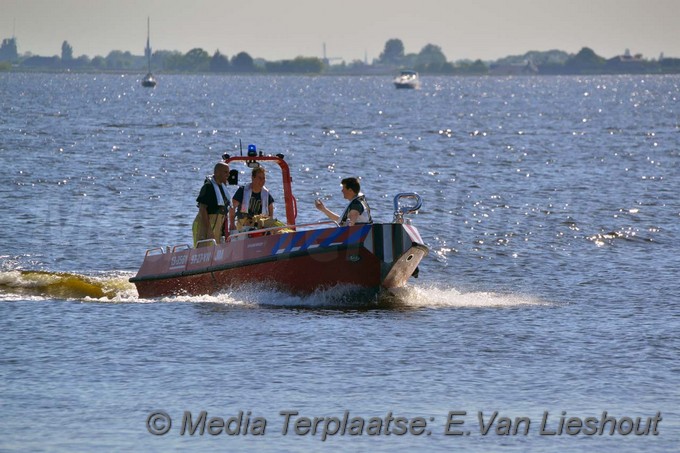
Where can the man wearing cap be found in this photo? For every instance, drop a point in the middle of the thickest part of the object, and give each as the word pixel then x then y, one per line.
pixel 213 204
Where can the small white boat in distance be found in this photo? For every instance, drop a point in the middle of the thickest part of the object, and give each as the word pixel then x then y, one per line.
pixel 407 79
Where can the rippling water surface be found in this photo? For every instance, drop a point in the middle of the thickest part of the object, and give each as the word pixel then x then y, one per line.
pixel 551 209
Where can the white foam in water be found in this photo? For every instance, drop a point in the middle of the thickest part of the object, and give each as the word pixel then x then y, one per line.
pixel 10 297
pixel 433 297
pixel 254 295
pixel 15 279
pixel 128 295
pixel 264 295
pixel 351 297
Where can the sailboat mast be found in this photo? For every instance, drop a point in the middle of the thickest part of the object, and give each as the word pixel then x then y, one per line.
pixel 148 41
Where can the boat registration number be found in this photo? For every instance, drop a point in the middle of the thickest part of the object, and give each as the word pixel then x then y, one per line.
pixel 180 260
pixel 200 258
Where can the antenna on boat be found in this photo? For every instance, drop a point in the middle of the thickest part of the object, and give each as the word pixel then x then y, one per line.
pixel 240 145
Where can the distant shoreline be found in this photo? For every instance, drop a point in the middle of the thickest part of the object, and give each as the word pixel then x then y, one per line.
pixel 140 74
pixel 430 61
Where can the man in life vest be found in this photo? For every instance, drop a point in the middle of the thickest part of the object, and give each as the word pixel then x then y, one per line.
pixel 248 200
pixel 357 211
pixel 213 204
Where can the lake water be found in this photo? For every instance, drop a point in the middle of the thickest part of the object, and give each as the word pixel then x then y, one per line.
pixel 552 290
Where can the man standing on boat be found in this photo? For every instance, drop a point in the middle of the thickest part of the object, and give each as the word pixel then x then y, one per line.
pixel 213 203
pixel 356 212
pixel 248 200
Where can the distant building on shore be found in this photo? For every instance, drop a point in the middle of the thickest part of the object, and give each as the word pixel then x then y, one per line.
pixel 526 68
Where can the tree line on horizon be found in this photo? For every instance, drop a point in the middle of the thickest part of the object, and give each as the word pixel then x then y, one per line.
pixel 430 60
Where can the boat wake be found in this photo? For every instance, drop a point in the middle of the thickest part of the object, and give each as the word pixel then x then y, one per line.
pixel 114 287
pixel 435 297
pixel 23 284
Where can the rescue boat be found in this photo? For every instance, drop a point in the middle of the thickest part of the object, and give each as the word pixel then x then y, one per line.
pixel 297 258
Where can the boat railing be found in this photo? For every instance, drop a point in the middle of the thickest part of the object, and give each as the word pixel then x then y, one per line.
pixel 264 231
pixel 401 208
pixel 175 248
pixel 236 236
pixel 156 251
pixel 180 247
pixel 210 241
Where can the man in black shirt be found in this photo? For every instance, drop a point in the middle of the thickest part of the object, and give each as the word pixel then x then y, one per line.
pixel 213 203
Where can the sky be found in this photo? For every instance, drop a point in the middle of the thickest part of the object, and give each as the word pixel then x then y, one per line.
pixel 351 29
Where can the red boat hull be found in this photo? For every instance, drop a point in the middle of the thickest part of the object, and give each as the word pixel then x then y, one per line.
pixel 373 257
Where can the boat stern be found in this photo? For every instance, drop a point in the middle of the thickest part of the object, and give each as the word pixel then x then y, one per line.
pixel 399 248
